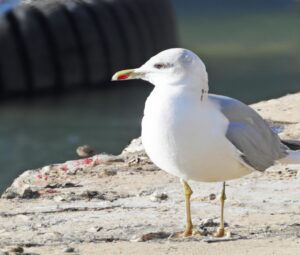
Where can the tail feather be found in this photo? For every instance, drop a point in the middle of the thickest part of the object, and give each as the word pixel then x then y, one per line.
pixel 292 144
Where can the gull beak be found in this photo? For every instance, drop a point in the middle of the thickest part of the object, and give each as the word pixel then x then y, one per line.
pixel 127 74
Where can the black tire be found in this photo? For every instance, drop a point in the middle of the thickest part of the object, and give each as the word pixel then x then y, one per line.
pixel 41 68
pixel 141 28
pixel 66 45
pixel 12 72
pixel 91 51
pixel 57 44
pixel 148 12
pixel 163 19
pixel 168 23
pixel 127 30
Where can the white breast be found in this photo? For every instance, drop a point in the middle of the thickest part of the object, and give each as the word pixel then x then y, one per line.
pixel 187 137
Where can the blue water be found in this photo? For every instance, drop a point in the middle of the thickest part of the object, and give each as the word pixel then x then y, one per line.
pixel 252 52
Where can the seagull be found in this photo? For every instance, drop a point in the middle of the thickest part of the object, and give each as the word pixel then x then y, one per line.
pixel 198 136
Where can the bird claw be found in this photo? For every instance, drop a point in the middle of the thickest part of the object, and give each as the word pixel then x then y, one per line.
pixel 186 233
pixel 222 233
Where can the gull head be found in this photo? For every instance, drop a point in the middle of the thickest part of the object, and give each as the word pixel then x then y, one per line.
pixel 172 67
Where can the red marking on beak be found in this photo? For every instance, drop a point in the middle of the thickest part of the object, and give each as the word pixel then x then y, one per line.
pixel 123 77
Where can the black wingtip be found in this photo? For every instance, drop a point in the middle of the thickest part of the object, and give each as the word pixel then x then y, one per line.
pixel 292 144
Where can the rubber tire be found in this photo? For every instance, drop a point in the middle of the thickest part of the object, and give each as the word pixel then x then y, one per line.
pixel 66 44
pixel 91 52
pixel 58 44
pixel 12 72
pixel 42 71
pixel 113 43
pixel 127 30
pixel 141 28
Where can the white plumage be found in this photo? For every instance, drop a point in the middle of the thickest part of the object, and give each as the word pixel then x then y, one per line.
pixel 199 136
pixel 187 137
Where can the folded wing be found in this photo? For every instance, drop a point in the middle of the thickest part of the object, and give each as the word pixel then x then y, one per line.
pixel 250 134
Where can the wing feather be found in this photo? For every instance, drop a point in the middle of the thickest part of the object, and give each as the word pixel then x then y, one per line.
pixel 250 133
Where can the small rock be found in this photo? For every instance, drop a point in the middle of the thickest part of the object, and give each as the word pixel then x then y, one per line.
pixel 46 169
pixel 30 194
pixel 69 185
pixel 85 151
pixel 59 198
pixel 158 196
pixel 53 185
pixel 150 236
pixel 17 249
pixel 268 229
pixel 95 229
pixel 144 193
pixel 107 172
pixel 208 223
pixel 69 249
pixel 212 196
pixel 9 194
pixel 221 239
pixel 90 194
pixel 134 147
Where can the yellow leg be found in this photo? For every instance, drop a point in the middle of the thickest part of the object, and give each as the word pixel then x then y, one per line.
pixel 221 230
pixel 187 192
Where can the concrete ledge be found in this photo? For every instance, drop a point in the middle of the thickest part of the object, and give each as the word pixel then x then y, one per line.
pixel 106 203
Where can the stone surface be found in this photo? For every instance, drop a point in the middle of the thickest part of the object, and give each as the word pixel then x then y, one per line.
pixel 283 109
pixel 124 204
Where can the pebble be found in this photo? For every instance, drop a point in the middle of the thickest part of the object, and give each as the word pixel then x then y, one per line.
pixel 59 198
pixel 150 236
pixel 46 169
pixel 95 229
pixel 208 223
pixel 89 194
pixel 212 196
pixel 107 172
pixel 69 249
pixel 56 185
pixel 17 249
pixel 135 146
pixel 30 194
pixel 85 151
pixel 9 194
pixel 158 196
pixel 143 193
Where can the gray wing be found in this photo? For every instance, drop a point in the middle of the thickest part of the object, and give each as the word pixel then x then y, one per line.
pixel 250 134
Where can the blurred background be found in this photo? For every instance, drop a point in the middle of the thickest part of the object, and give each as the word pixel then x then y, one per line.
pixel 251 49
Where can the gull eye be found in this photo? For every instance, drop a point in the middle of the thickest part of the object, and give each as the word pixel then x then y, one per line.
pixel 159 66
pixel 162 65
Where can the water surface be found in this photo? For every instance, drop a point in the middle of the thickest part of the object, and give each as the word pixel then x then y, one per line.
pixel 251 54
